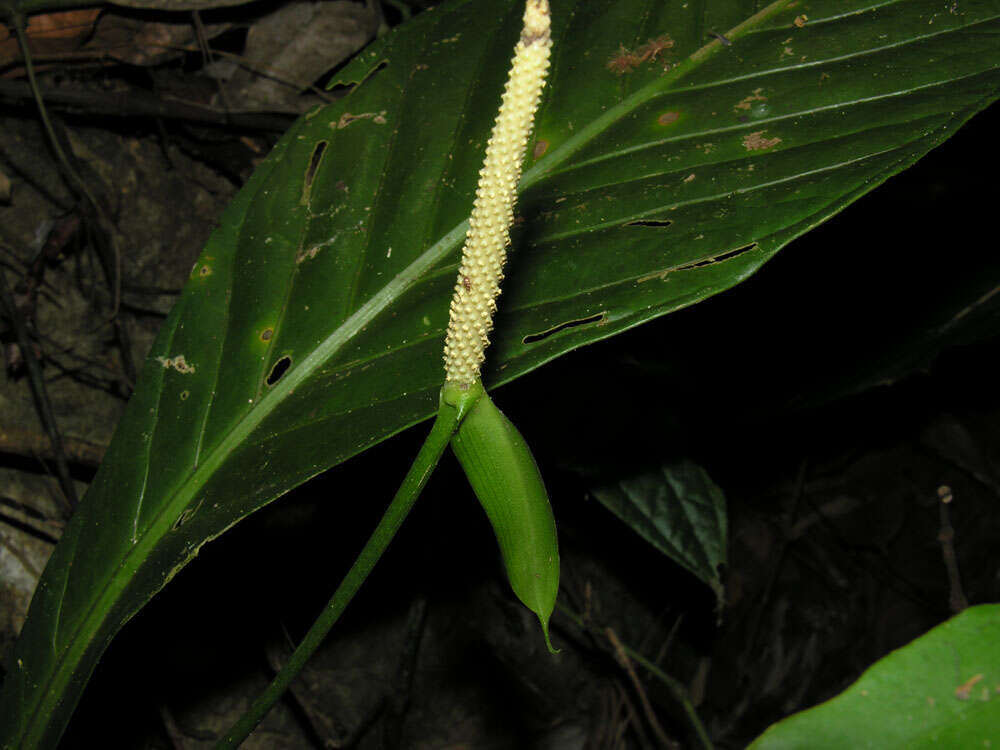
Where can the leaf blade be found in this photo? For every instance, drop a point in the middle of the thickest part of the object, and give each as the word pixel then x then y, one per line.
pixel 678 509
pixel 933 692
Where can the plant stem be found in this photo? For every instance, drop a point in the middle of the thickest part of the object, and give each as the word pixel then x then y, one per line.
pixel 77 183
pixel 430 453
pixel 672 684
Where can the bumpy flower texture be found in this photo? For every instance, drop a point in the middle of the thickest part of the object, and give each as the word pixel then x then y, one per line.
pixel 485 251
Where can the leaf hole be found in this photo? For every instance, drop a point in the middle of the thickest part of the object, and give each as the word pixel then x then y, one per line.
pixel 279 369
pixel 183 518
pixel 314 161
pixel 341 85
pixel 534 337
pixel 729 255
pixel 650 223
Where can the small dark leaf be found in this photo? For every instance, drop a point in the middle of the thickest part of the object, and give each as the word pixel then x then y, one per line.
pixel 680 511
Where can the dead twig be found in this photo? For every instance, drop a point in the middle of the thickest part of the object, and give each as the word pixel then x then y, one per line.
pixel 957 600
pixel 41 397
pixel 101 229
pixel 787 524
pixel 134 102
pixel 631 719
pixel 647 708
pixel 18 441
pixel 29 521
pixel 676 688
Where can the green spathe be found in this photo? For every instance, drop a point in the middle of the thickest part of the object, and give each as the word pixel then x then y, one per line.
pixel 503 473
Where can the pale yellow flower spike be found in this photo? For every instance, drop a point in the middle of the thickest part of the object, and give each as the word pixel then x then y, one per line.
pixel 485 250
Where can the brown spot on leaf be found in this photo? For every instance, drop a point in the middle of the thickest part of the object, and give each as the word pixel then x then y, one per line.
pixel 176 363
pixel 540 148
pixel 800 21
pixel 623 61
pixel 757 142
pixel 668 118
pixel 963 691
pixel 626 60
pixel 266 334
pixel 654 47
pixel 347 118
pixel 661 275
pixel 309 254
pixel 745 102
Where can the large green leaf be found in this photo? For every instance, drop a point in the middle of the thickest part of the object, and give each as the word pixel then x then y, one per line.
pixel 663 171
pixel 938 692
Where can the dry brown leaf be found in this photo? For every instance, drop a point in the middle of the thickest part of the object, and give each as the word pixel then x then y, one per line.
pixel 141 42
pixel 287 50
pixel 175 5
pixel 49 34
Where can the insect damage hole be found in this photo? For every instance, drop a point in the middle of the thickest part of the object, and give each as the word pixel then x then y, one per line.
pixel 314 161
pixel 728 255
pixel 279 369
pixel 661 223
pixel 534 337
pixel 183 518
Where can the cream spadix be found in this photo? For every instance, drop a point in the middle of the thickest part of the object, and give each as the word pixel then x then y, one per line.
pixel 485 250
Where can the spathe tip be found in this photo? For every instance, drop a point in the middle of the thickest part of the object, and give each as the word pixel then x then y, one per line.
pixel 548 641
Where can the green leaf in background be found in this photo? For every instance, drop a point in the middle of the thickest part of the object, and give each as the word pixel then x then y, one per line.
pixel 680 511
pixel 665 169
pixel 941 691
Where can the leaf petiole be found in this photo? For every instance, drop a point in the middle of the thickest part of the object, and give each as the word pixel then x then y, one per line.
pixel 445 424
